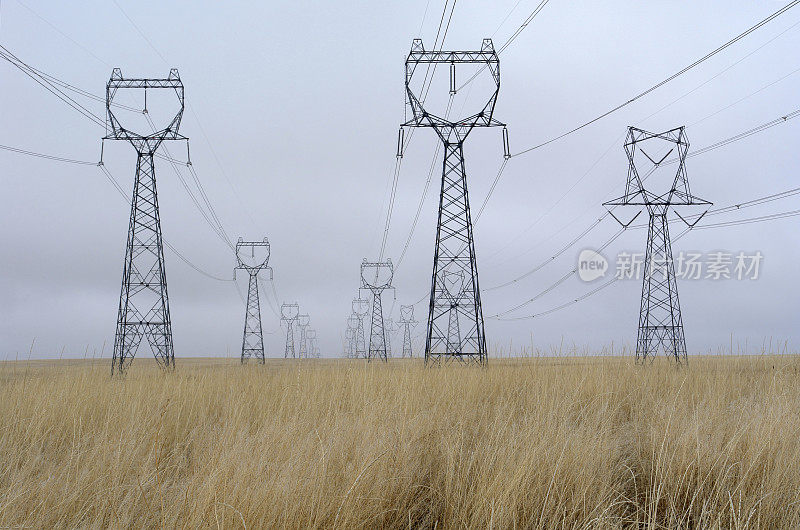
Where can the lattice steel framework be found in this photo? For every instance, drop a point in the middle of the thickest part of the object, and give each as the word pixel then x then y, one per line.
pixel 455 247
pixel 391 328
pixel 377 277
pixel 253 338
pixel 313 347
pixel 660 320
pixel 349 336
pixel 360 309
pixel 289 314
pixel 408 323
pixel 143 302
pixel 303 321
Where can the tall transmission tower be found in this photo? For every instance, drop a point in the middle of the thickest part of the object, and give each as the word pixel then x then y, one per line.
pixel 660 321
pixel 143 302
pixel 377 277
pixel 360 309
pixel 455 248
pixel 408 322
pixel 289 314
pixel 303 322
pixel 252 257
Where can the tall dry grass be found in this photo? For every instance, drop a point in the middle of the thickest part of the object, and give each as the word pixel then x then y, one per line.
pixel 522 444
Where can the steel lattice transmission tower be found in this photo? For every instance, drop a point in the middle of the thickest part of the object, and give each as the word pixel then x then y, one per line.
pixel 389 327
pixel 289 314
pixel 455 248
pixel 303 321
pixel 351 334
pixel 255 262
pixel 377 277
pixel 313 348
pixel 143 302
pixel 660 321
pixel 360 309
pixel 408 322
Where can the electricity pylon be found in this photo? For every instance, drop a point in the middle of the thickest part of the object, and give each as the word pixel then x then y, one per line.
pixel 253 339
pixel 455 248
pixel 289 313
pixel 360 309
pixel 303 322
pixel 143 302
pixel 408 322
pixel 377 277
pixel 660 321
pixel 351 334
pixel 391 328
pixel 313 348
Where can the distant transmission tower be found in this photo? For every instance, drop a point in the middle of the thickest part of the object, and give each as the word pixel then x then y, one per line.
pixel 289 314
pixel 313 348
pixel 253 262
pixel 660 321
pixel 351 334
pixel 455 247
pixel 360 309
pixel 143 302
pixel 408 322
pixel 377 277
pixel 391 328
pixel 303 322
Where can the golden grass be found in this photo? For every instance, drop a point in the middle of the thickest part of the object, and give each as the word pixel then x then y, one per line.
pixel 580 443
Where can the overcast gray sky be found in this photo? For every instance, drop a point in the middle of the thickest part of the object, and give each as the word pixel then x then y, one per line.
pixel 301 102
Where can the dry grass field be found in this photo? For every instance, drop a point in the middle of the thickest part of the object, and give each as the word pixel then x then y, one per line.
pixel 539 443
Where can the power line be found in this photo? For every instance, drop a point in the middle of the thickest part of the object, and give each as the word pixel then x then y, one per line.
pixel 424 192
pixel 49 157
pixel 717 145
pixel 140 32
pixel 6 54
pixel 82 92
pixel 715 76
pixel 552 205
pixel 726 209
pixel 782 215
pixel 516 34
pixel 216 228
pixel 557 282
pixel 398 161
pixel 76 43
pixel 114 182
pixel 677 74
pixel 424 15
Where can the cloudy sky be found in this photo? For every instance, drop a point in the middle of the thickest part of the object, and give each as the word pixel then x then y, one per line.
pixel 293 110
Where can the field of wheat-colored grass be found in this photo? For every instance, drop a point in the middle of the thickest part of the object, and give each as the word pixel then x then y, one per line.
pixel 537 443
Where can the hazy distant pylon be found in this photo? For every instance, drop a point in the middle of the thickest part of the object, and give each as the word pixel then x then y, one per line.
pixel 408 322
pixel 253 339
pixel 303 322
pixel 360 309
pixel 289 314
pixel 377 277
